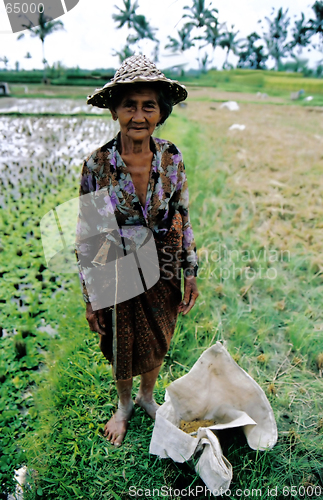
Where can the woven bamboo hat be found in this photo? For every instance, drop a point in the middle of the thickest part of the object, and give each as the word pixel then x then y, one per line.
pixel 136 69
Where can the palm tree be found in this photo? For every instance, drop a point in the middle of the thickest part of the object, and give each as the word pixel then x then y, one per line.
pixel 228 41
pixel 127 15
pixel 124 53
pixel 183 42
pixel 137 22
pixel 316 25
pixel 252 56
pixel 199 14
pixel 276 36
pixel 301 34
pixel 213 34
pixel 5 61
pixel 203 62
pixel 46 26
pixel 142 28
pixel 202 17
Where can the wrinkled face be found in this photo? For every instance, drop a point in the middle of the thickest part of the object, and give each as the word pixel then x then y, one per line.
pixel 138 113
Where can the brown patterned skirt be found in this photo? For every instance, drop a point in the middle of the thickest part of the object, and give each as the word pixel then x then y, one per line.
pixel 144 325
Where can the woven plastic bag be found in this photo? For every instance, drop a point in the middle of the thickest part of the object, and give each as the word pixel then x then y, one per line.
pixel 216 389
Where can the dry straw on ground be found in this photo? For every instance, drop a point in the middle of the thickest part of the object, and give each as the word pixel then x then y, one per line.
pixel 275 162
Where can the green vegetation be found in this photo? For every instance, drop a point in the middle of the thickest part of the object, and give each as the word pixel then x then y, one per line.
pixel 80 83
pixel 270 82
pixel 281 40
pixel 58 75
pixel 257 218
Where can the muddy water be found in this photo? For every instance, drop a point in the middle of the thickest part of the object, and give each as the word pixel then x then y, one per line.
pixel 62 106
pixel 35 150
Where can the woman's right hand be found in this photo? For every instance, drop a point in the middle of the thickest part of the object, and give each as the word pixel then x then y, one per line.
pixel 95 319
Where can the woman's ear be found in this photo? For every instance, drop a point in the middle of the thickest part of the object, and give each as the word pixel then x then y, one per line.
pixel 114 114
pixel 160 119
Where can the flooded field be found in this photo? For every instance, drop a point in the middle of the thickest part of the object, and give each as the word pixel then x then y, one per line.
pixel 33 149
pixel 39 157
pixel 59 106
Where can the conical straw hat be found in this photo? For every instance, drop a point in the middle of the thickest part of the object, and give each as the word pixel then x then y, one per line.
pixel 136 69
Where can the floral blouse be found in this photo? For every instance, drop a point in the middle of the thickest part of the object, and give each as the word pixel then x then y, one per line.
pixel 167 194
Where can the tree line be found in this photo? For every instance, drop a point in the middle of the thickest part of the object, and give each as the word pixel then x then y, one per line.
pixel 280 36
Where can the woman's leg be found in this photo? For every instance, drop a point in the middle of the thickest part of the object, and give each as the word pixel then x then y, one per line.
pixel 144 397
pixel 115 430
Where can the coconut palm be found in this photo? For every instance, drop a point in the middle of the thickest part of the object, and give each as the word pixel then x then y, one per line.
pixel 213 34
pixel 5 61
pixel 124 53
pixel 301 34
pixel 46 26
pixel 230 42
pixel 251 55
pixel 200 15
pixel 183 42
pixel 316 25
pixel 276 36
pixel 127 15
pixel 203 62
pixel 137 22
pixel 143 29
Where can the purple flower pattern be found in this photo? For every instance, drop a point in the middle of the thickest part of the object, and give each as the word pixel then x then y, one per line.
pixel 172 173
pixel 87 183
pixel 188 237
pixel 167 193
pixel 128 186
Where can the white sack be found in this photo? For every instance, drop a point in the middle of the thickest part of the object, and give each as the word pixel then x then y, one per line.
pixel 237 126
pixel 216 388
pixel 231 105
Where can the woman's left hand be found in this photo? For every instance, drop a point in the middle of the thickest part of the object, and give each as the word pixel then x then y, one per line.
pixel 190 295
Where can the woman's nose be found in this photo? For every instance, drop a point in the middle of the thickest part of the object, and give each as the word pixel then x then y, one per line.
pixel 138 115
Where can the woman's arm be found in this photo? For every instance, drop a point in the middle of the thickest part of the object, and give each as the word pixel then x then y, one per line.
pixel 181 204
pixel 86 248
pixel 95 319
pixel 189 254
pixel 83 246
pixel 190 295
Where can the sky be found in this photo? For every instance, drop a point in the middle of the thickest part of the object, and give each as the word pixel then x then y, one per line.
pixel 90 36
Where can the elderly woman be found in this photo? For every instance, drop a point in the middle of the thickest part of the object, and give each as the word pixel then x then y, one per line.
pixel 147 187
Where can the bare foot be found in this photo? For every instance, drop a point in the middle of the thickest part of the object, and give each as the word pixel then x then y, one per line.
pixel 149 405
pixel 115 430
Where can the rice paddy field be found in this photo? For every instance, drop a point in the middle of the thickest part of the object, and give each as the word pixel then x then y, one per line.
pixel 256 206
